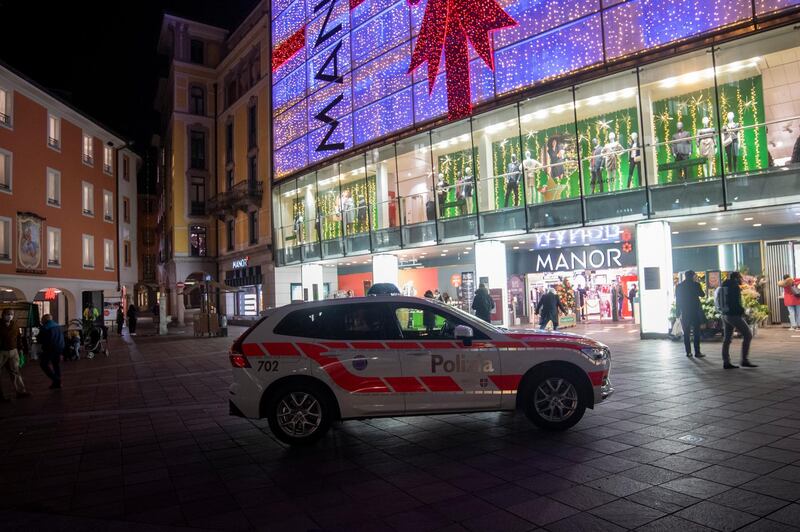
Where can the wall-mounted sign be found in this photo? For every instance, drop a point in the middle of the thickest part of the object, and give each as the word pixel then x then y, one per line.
pixel 455 280
pixel 602 234
pixel 29 243
pixel 238 264
pixel 573 259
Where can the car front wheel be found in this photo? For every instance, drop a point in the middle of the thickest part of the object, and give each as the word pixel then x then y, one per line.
pixel 551 400
pixel 299 414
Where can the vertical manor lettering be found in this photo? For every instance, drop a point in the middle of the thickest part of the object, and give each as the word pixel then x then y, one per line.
pixel 329 72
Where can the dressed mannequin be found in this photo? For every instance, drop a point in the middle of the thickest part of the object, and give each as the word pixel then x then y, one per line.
pixel 730 139
pixel 681 148
pixel 707 141
pixel 530 166
pixel 555 153
pixel 441 193
pixel 611 152
pixel 349 211
pixel 634 157
pixel 596 166
pixel 298 227
pixel 464 189
pixel 361 213
pixel 513 171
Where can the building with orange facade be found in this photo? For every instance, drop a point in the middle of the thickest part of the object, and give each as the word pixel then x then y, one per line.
pixel 59 218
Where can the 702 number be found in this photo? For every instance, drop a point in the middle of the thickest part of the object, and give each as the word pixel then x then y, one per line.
pixel 267 365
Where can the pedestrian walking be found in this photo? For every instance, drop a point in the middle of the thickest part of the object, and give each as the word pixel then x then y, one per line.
pixel 728 300
pixel 791 298
pixel 120 319
pixel 690 311
pixel 482 303
pixel 52 341
pixel 133 315
pixel 9 354
pixel 632 293
pixel 548 308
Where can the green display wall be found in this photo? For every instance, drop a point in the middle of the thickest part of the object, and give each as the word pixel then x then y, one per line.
pixel 452 165
pixel 744 98
pixel 331 216
pixel 622 123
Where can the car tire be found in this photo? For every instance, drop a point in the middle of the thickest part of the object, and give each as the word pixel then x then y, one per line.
pixel 551 399
pixel 299 413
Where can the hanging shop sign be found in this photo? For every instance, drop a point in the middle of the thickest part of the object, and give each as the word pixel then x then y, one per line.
pixel 579 258
pixel 238 264
pixel 29 243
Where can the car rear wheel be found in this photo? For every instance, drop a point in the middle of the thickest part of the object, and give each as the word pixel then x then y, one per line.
pixel 551 399
pixel 299 413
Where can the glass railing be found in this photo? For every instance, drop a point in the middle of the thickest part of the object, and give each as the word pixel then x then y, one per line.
pixel 503 191
pixel 386 225
pixel 552 182
pixel 418 217
pixel 454 200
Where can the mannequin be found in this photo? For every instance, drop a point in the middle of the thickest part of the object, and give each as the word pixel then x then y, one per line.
pixel 611 152
pixel 464 189
pixel 530 166
pixel 708 146
pixel 441 193
pixel 555 152
pixel 361 213
pixel 634 157
pixel 681 148
pixel 596 166
pixel 348 208
pixel 298 227
pixel 730 139
pixel 512 180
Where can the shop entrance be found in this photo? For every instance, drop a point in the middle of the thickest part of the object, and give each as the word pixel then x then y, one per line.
pixel 597 295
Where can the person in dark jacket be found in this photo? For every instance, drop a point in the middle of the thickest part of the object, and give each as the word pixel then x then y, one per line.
pixel 52 341
pixel 548 307
pixel 690 311
pixel 482 303
pixel 133 315
pixel 120 319
pixel 730 305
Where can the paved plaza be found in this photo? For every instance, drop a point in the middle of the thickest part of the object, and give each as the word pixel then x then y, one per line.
pixel 142 440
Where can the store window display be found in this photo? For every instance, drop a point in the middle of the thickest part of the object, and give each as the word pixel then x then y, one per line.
pixel 382 175
pixel 454 159
pixel 608 133
pixel 358 194
pixel 496 136
pixel 415 180
pixel 330 204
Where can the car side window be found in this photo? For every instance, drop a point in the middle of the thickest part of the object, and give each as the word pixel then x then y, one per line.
pixel 338 322
pixel 419 322
pixel 307 323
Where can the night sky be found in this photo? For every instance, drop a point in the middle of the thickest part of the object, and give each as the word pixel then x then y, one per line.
pixel 100 56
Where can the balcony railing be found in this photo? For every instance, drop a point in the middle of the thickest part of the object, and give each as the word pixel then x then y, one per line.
pixel 108 217
pixel 54 202
pixel 107 168
pixel 5 186
pixel 87 158
pixel 5 119
pixel 53 142
pixel 242 196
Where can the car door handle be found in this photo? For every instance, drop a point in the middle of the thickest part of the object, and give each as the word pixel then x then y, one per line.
pixel 419 353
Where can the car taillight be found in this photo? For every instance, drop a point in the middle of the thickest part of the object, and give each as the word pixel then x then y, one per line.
pixel 238 360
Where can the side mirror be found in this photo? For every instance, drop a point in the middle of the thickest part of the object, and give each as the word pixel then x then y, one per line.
pixel 464 334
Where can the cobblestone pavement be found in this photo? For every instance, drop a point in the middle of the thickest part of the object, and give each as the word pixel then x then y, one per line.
pixel 142 440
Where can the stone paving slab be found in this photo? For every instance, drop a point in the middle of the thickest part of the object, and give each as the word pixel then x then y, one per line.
pixel 142 441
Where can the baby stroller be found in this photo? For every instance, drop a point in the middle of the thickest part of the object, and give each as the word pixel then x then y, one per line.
pixel 96 341
pixel 72 341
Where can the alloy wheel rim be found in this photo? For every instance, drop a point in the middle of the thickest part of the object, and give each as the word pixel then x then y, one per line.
pixel 299 414
pixel 555 399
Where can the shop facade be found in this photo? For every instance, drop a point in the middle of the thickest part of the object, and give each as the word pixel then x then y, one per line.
pixel 692 133
pixel 242 288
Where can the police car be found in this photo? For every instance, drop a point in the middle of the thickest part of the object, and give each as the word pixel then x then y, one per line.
pixel 305 365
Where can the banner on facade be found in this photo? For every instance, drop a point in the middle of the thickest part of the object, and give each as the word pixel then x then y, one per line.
pixel 29 243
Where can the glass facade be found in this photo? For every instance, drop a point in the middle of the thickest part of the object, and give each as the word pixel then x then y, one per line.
pixel 702 132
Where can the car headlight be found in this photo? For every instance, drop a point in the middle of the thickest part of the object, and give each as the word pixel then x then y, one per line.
pixel 596 355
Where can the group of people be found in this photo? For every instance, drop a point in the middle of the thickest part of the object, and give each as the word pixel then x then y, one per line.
pixel 728 301
pixel 51 341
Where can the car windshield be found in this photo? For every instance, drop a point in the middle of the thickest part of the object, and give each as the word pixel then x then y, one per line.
pixel 466 316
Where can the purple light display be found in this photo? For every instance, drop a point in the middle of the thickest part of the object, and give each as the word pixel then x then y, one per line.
pixel 342 78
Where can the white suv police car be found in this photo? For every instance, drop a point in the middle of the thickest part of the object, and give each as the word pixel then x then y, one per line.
pixel 305 365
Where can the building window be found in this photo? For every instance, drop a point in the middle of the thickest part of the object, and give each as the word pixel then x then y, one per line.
pixel 5 239
pixel 197 51
pixel 148 267
pixel 108 254
pixel 252 126
pixel 54 132
pixel 88 199
pixel 230 92
pixel 88 251
pixel 198 241
pixel 229 142
pixel 88 149
pixel 108 206
pixel 197 196
pixel 5 107
pixel 126 210
pixel 5 171
pixel 126 168
pixel 252 170
pixel 198 150
pixel 197 100
pixel 53 187
pixel 126 252
pixel 108 159
pixel 252 226
pixel 230 229
pixel 53 246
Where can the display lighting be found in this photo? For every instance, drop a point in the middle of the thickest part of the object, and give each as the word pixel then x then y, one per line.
pixel 756 225
pixel 715 228
pixel 748 219
pixel 515 247
pixel 702 223
pixel 541 114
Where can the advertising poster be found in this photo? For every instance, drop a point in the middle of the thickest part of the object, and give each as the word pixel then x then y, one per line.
pixel 497 310
pixel 29 243
pixel 467 290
